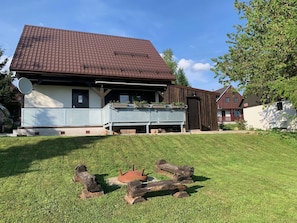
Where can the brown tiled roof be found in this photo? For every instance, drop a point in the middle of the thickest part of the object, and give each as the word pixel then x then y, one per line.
pixel 60 52
pixel 222 90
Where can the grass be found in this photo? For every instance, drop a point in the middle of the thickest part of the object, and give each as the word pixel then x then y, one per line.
pixel 238 178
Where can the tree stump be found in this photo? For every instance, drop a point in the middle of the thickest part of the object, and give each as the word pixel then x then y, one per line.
pixel 91 186
pixel 176 173
pixel 136 190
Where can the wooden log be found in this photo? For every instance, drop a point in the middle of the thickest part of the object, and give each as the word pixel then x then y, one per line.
pixel 180 194
pixel 136 190
pixel 164 185
pixel 134 200
pixel 90 182
pixel 177 173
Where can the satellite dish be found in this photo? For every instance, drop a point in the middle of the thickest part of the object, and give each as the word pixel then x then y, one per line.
pixel 24 85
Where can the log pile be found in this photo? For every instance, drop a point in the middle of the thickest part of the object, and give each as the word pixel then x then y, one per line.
pixel 136 190
pixel 176 173
pixel 91 186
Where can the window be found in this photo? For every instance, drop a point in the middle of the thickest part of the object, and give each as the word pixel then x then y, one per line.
pixel 227 99
pixel 237 113
pixel 80 99
pixel 124 98
pixel 235 100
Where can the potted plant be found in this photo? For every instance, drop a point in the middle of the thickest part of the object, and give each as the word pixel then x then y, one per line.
pixel 142 104
pixel 178 105
pixel 158 104
pixel 117 104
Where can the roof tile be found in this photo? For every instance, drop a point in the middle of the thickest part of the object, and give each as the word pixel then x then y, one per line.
pixel 58 51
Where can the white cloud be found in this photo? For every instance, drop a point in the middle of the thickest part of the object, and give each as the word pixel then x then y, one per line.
pixel 202 66
pixel 198 73
pixel 190 64
pixel 185 64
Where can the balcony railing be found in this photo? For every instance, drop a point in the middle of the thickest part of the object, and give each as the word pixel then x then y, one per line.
pixel 108 117
pixel 56 117
pixel 129 115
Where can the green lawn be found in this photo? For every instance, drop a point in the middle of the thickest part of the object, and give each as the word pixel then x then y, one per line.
pixel 238 178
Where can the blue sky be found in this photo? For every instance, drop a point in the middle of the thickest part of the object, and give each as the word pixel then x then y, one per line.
pixel 195 30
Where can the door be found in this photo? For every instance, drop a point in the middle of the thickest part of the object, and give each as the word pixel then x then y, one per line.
pixel 194 119
pixel 223 116
pixel 80 98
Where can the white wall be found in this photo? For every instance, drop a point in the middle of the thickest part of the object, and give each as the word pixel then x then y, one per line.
pixel 48 96
pixel 268 117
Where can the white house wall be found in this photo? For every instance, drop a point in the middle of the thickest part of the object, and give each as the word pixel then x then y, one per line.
pixel 268 117
pixel 48 96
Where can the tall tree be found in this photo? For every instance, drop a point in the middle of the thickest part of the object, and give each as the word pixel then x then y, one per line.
pixel 181 77
pixel 262 54
pixel 7 91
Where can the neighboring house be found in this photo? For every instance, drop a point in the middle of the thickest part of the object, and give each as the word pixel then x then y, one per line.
pixel 77 77
pixel 278 115
pixel 229 105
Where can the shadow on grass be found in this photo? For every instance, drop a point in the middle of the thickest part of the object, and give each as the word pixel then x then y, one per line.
pixel 194 189
pixel 106 187
pixel 18 159
pixel 199 178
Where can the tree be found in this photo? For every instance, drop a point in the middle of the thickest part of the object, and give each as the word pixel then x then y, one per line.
pixel 262 55
pixel 7 91
pixel 181 77
pixel 5 81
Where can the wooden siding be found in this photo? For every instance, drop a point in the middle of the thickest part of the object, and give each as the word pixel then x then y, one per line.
pixel 207 99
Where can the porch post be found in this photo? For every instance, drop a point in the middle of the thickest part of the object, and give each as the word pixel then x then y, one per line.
pixel 110 121
pixel 102 94
pixel 110 128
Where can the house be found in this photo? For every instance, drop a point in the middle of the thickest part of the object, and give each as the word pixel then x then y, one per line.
pixel 79 78
pixel 229 105
pixel 278 115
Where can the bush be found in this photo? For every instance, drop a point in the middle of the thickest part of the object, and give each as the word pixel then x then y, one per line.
pixel 241 124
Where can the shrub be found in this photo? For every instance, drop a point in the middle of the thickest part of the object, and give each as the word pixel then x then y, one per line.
pixel 241 124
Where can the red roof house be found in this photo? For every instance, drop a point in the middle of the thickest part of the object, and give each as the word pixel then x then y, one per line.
pixel 229 105
pixel 76 76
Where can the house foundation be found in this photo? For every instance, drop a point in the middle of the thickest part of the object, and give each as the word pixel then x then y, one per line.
pixel 61 131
